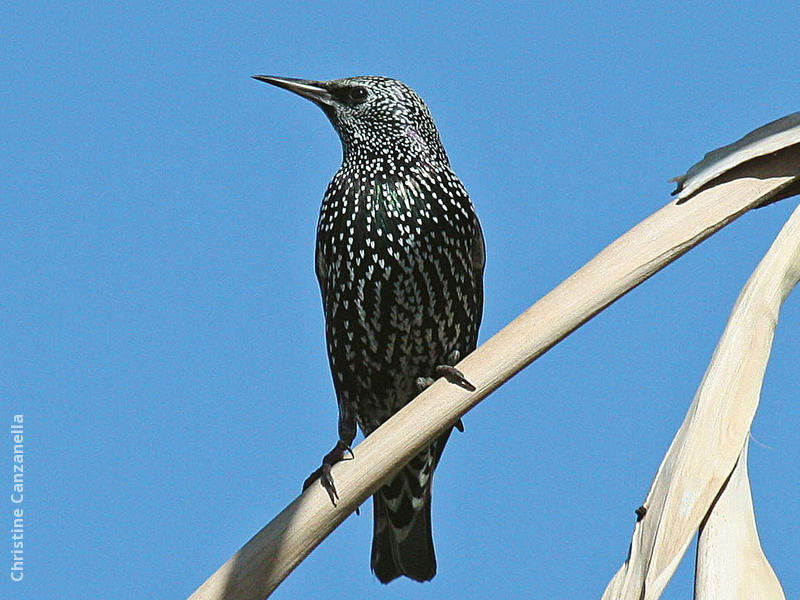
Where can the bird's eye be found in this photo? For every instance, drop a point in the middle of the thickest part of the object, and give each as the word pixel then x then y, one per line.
pixel 358 94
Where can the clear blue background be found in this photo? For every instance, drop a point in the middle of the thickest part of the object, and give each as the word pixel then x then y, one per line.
pixel 161 325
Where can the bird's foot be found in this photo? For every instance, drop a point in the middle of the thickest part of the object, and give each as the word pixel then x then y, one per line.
pixel 324 472
pixel 453 375
pixel 423 383
pixel 449 372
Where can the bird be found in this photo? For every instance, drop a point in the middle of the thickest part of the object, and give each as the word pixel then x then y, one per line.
pixel 400 257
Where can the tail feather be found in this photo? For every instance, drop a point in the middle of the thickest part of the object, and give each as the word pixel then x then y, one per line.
pixel 402 551
pixel 402 541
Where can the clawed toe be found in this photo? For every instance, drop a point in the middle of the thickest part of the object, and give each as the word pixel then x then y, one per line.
pixel 453 375
pixel 423 383
pixel 449 372
pixel 327 482
pixel 324 472
pixel 312 478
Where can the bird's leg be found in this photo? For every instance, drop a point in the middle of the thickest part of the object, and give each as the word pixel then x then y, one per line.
pixel 453 375
pixel 347 433
pixel 324 472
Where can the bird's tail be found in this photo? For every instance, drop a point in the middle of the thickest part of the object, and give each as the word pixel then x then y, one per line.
pixel 402 543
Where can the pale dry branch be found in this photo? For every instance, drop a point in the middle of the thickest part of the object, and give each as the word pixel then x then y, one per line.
pixel 765 140
pixel 731 564
pixel 255 570
pixel 700 460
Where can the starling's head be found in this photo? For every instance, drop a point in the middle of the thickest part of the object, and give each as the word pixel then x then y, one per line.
pixel 373 115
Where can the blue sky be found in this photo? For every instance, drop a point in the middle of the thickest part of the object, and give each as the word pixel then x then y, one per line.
pixel 161 324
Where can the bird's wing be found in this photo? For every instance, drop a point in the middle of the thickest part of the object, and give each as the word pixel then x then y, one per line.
pixel 478 264
pixel 321 268
pixel 478 252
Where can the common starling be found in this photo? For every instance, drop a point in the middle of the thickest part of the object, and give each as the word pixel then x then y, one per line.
pixel 399 260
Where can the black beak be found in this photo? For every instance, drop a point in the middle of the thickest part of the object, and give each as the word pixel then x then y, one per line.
pixel 311 90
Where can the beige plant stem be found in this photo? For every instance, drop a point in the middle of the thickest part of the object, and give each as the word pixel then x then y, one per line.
pixel 695 471
pixel 731 564
pixel 256 569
